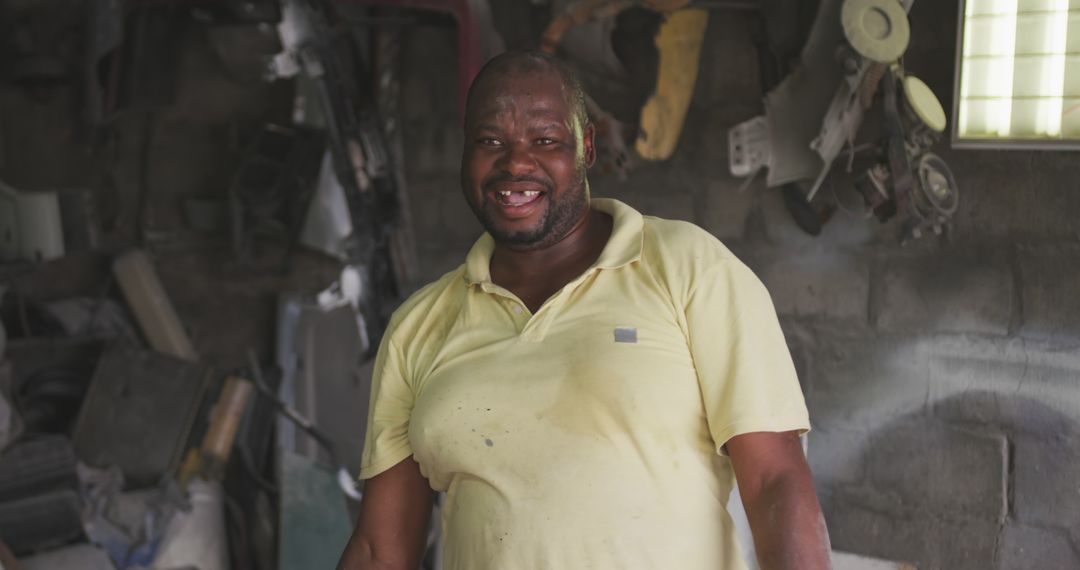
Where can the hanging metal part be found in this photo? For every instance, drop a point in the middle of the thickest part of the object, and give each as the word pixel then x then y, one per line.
pixel 877 29
pixel 841 122
pixel 577 14
pixel 896 149
pixel 749 149
pixel 923 105
pixel 936 196
pixel 388 41
pixel 912 180
pixel 908 179
pixel 679 41
pixel 345 481
pixel 613 157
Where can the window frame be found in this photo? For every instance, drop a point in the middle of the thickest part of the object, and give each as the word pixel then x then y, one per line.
pixel 1005 143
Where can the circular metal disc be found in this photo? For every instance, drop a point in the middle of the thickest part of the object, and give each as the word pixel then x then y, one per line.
pixel 877 29
pixel 938 184
pixel 925 104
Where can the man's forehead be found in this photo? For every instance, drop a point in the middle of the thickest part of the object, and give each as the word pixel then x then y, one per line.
pixel 539 92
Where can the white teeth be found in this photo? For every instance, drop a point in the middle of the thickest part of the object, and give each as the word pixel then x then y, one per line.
pixel 526 193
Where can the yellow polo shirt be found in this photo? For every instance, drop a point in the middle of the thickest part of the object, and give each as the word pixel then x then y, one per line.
pixel 588 434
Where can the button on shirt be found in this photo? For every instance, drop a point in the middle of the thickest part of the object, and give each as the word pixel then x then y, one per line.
pixel 588 434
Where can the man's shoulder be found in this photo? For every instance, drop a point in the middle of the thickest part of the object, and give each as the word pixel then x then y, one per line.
pixel 682 241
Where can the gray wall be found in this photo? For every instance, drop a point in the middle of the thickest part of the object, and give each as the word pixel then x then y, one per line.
pixel 943 377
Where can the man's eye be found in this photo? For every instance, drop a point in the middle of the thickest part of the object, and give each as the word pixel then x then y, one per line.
pixel 488 141
pixel 544 141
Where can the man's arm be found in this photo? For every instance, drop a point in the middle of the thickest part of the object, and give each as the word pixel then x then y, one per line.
pixel 392 529
pixel 778 493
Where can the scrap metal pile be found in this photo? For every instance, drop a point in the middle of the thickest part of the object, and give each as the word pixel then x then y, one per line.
pixel 850 66
pixel 120 445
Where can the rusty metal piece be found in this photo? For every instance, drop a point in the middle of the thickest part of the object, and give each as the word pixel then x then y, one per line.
pixel 613 154
pixel 224 423
pixel 679 42
pixel 870 84
pixel 578 14
pixel 152 307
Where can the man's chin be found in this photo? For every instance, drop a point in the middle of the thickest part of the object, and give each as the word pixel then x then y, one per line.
pixel 521 239
pixel 520 235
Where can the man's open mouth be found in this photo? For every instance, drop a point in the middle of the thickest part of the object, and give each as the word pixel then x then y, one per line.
pixel 516 198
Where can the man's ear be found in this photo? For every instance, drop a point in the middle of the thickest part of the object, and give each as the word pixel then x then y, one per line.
pixel 588 143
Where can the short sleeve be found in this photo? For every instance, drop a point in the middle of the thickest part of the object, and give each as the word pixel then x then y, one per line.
pixel 386 442
pixel 747 378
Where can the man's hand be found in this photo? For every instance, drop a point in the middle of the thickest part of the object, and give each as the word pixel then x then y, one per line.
pixel 778 493
pixel 392 529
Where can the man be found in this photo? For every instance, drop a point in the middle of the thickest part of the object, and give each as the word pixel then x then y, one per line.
pixel 586 385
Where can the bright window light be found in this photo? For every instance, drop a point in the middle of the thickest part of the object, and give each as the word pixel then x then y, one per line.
pixel 1019 67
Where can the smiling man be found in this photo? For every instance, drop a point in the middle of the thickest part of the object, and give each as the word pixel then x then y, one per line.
pixel 589 384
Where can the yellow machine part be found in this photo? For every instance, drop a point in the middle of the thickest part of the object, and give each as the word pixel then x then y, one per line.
pixel 679 42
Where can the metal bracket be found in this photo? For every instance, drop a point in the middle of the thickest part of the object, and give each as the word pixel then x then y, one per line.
pixel 749 147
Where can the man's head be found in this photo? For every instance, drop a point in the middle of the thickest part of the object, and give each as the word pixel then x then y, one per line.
pixel 528 144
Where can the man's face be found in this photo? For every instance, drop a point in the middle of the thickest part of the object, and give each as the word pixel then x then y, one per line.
pixel 526 154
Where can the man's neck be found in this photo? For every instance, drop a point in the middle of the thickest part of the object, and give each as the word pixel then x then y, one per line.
pixel 534 275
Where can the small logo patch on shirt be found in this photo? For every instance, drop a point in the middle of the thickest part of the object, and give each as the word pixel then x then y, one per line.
pixel 626 334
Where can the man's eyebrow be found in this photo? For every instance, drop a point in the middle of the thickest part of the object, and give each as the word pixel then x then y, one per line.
pixel 484 127
pixel 543 111
pixel 547 126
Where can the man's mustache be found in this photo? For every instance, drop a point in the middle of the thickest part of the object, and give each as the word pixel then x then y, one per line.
pixel 508 178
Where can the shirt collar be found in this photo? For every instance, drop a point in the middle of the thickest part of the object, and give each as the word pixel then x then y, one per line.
pixel 622 248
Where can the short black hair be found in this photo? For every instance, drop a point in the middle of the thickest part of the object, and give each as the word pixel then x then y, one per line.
pixel 532 61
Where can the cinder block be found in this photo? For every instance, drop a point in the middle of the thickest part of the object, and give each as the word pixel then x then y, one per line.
pixel 837 456
pixel 872 532
pixel 818 284
pixel 1050 286
pixel 801 344
pixel 848 561
pixel 1047 480
pixel 1015 195
pixel 651 188
pixel 726 209
pixel 863 384
pixel 939 469
pixel 725 77
pixel 1008 413
pixel 1043 376
pixel 952 293
pixel 1029 548
pixel 920 538
pixel 961 544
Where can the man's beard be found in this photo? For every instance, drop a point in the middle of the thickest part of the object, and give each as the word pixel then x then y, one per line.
pixel 560 216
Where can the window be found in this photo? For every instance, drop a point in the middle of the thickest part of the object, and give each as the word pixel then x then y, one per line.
pixel 1018 81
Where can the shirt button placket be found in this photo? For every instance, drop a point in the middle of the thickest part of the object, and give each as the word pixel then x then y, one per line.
pixel 518 316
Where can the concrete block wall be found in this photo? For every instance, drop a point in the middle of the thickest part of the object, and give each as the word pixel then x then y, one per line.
pixel 943 377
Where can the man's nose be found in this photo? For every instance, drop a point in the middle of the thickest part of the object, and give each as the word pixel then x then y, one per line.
pixel 518 159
